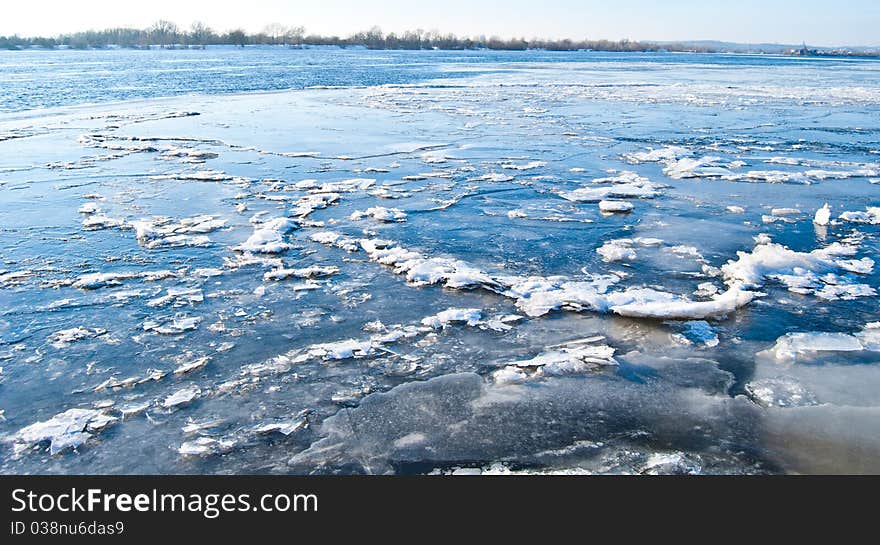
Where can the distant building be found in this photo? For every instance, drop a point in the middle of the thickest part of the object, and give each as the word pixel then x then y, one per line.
pixel 804 51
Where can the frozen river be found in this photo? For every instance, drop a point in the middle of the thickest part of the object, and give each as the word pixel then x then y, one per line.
pixel 435 262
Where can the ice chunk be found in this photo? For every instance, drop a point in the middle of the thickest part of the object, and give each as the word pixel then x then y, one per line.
pixel 99 280
pixel 285 427
pixel 423 271
pixel 331 238
pixel 177 297
pixel 181 397
pixel 312 271
pixel 65 337
pixel 309 203
pixel 268 237
pixel 699 331
pixel 67 430
pixel 524 166
pixel 623 249
pixel 193 365
pixel 780 392
pixel 686 167
pixel 463 419
pixel 870 216
pixel 207 272
pixel 469 316
pixel 342 350
pixel 381 214
pixel 823 215
pixel 205 446
pixel 624 185
pixel 617 250
pixel 685 309
pixel 162 232
pixel 346 186
pixel 779 212
pixel 89 208
pixel 798 270
pixel 615 206
pixel 573 357
pixel 669 153
pixel 792 346
pixel 173 325
pixel 14 278
pixel 676 463
pixel 96 222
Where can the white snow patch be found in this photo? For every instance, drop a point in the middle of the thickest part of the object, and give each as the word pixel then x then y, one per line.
pixel 615 206
pixel 823 215
pixel 469 316
pixel 268 237
pixel 380 213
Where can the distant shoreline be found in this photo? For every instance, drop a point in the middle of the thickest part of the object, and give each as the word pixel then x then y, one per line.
pixel 316 47
pixel 166 35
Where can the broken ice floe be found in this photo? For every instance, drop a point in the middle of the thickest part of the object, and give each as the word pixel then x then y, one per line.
pixel 823 215
pixel 94 281
pixel 192 365
pixel 806 273
pixel 67 430
pixel 680 163
pixel 181 397
pixel 209 445
pixel 793 347
pixel 337 240
pixel 537 296
pixel 462 420
pixel 96 222
pixel 162 232
pixel 624 185
pixel 870 216
pixel 307 204
pixel 203 446
pixel 177 297
pixel 698 332
pixel 66 337
pixel 380 213
pixel 172 325
pixel 524 166
pixel 114 383
pixel 780 392
pixel 312 271
pixel 469 316
pixel 268 237
pixel 419 270
pixel 378 343
pixel 613 206
pixel 623 249
pixel 572 357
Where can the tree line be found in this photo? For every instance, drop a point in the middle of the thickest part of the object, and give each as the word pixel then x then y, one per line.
pixel 167 34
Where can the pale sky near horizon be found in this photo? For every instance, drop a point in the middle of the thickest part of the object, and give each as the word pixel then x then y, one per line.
pixel 818 22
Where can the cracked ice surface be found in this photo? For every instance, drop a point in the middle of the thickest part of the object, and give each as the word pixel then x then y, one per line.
pixel 531 269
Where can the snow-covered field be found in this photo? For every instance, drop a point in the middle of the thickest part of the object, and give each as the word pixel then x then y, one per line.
pixel 588 264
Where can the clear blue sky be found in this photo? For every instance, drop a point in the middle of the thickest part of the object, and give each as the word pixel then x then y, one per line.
pixel 819 22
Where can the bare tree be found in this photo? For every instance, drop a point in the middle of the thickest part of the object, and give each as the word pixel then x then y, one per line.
pixel 163 32
pixel 237 37
pixel 275 32
pixel 294 34
pixel 200 33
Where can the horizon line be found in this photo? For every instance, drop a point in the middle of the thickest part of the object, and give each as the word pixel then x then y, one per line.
pixel 345 36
